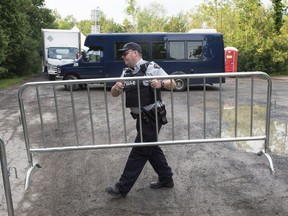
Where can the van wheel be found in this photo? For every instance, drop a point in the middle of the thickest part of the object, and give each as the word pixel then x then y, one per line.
pixel 74 86
pixel 181 85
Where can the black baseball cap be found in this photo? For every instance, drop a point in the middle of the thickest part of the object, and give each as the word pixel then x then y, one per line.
pixel 131 46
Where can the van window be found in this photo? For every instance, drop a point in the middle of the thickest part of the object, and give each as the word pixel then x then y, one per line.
pixel 194 50
pixel 159 50
pixel 176 50
pixel 93 56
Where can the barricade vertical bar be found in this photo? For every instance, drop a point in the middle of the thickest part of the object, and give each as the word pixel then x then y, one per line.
pixel 74 115
pixel 204 107
pixel 156 114
pixel 236 107
pixel 188 108
pixel 268 113
pixel 172 111
pixel 90 114
pixel 26 137
pixel 123 116
pixel 40 115
pixel 57 115
pixel 6 182
pixel 107 113
pixel 220 107
pixel 267 128
pixel 25 129
pixel 252 106
pixel 139 110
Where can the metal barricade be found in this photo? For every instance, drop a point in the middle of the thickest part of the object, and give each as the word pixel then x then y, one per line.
pixel 6 182
pixel 56 120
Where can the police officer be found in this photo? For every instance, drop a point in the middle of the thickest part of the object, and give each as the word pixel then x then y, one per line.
pixel 132 56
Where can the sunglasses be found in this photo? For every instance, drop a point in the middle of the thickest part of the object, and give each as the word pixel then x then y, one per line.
pixel 126 53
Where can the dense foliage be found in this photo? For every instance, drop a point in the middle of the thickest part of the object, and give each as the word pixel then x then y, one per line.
pixel 20 38
pixel 259 33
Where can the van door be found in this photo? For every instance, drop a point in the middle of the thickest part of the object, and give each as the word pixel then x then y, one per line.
pixel 92 65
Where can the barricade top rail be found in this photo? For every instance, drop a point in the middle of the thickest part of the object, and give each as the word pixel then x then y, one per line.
pixel 183 76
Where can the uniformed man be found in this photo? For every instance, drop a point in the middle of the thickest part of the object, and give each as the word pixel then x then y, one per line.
pixel 132 56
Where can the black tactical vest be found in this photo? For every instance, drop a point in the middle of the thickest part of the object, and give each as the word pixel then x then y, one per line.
pixel 146 92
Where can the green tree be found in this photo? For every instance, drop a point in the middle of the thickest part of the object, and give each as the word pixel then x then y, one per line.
pixel 248 26
pixel 152 18
pixel 109 26
pixel 38 17
pixel 130 23
pixel 278 14
pixel 3 52
pixel 253 34
pixel 20 23
pixel 176 23
pixel 67 23
pixel 85 26
pixel 12 21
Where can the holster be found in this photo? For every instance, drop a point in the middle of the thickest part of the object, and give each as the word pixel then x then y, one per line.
pixel 134 115
pixel 162 114
pixel 144 116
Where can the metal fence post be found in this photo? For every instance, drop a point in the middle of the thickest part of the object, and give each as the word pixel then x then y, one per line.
pixel 5 174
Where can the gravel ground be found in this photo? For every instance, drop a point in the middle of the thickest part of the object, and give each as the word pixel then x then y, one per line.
pixel 210 179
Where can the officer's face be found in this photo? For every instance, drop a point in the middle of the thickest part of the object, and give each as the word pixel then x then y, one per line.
pixel 130 57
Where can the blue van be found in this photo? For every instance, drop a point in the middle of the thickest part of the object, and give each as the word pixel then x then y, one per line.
pixel 176 53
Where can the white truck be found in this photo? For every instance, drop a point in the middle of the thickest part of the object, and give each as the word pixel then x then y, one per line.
pixel 59 47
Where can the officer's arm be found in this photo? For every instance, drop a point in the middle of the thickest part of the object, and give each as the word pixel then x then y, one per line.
pixel 158 71
pixel 168 84
pixel 117 89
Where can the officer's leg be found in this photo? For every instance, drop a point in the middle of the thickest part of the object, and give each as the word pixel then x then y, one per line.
pixel 136 160
pixel 157 158
pixel 135 163
pixel 159 163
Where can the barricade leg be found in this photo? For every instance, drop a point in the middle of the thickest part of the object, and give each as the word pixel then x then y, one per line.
pixel 27 178
pixel 5 174
pixel 269 160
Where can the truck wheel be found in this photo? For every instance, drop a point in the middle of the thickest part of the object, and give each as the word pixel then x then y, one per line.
pixel 74 87
pixel 51 77
pixel 181 85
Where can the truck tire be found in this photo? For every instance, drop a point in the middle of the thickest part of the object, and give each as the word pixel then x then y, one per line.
pixel 74 87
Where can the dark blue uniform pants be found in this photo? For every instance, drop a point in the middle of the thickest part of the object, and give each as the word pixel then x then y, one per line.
pixel 140 155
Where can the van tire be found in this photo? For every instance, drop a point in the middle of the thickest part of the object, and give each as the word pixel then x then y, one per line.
pixel 181 85
pixel 74 87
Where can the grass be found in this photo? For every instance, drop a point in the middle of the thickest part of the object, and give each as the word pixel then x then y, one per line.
pixel 6 83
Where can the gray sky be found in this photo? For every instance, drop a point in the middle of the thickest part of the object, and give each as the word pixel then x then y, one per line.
pixel 81 10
